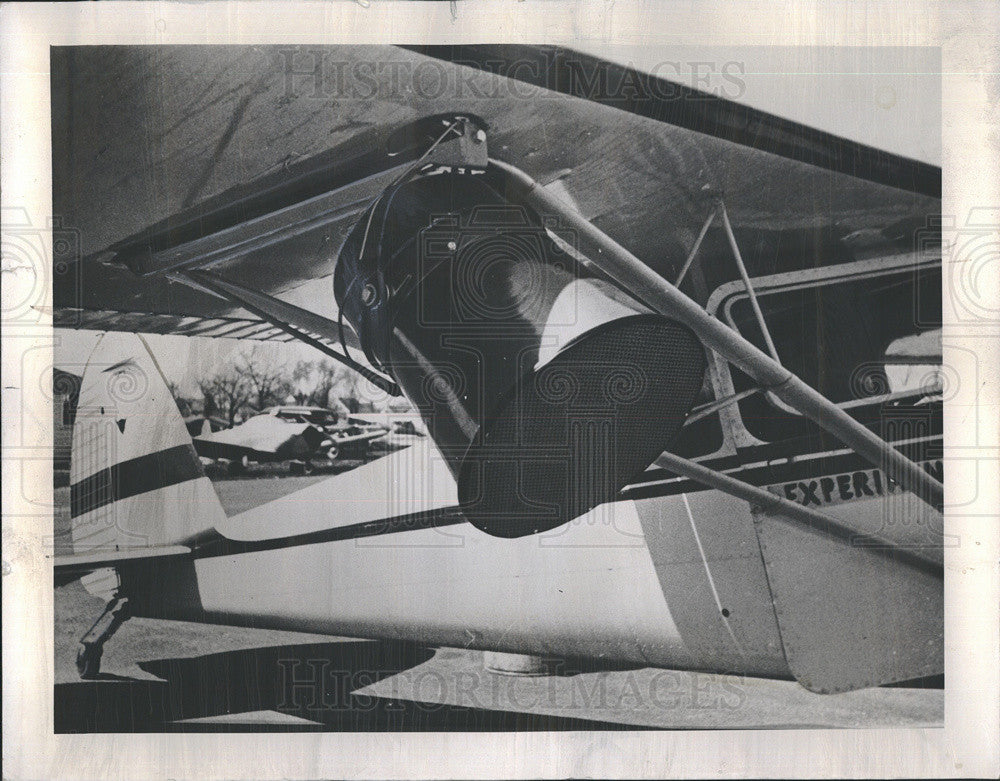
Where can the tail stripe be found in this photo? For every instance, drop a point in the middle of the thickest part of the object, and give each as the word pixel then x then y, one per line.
pixel 136 480
pixel 136 476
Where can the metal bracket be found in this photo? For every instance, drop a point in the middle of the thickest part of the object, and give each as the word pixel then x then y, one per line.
pixel 455 141
pixel 450 140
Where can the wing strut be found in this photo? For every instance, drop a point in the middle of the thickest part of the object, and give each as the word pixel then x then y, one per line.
pixel 289 318
pixel 648 286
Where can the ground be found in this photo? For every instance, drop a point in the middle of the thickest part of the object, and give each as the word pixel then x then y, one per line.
pixel 170 676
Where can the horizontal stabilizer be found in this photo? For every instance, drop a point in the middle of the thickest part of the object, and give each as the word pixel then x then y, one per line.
pixel 76 564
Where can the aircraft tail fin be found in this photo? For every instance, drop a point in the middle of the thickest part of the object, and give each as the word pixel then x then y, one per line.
pixel 136 481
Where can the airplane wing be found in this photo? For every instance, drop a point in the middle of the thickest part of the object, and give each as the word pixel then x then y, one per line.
pixel 366 436
pixel 261 435
pixel 164 154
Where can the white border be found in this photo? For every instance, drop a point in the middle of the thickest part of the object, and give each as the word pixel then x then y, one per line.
pixel 968 744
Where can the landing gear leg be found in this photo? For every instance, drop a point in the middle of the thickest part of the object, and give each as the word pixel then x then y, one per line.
pixel 88 655
pixel 300 467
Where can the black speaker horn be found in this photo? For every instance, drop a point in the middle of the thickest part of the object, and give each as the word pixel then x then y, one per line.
pixel 546 388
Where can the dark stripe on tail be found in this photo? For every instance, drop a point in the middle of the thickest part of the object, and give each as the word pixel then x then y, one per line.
pixel 136 476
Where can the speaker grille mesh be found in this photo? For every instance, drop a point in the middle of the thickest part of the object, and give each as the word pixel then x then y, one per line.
pixel 574 433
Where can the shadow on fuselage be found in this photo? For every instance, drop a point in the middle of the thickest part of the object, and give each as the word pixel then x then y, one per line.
pixel 317 683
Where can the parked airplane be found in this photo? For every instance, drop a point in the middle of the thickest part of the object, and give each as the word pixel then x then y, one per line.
pixel 678 361
pixel 299 435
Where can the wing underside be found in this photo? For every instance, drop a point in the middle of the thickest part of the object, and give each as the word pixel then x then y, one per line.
pixel 223 148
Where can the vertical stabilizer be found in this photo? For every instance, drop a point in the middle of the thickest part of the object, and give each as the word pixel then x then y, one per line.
pixel 136 480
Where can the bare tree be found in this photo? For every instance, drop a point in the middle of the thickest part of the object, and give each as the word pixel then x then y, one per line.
pixel 228 391
pixel 183 403
pixel 301 375
pixel 347 387
pixel 268 384
pixel 326 373
pixel 209 407
pixel 331 384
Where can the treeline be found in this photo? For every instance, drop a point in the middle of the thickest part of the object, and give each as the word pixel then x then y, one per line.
pixel 253 382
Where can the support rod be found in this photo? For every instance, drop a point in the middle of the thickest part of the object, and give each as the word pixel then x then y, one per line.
pixel 273 308
pixel 697 246
pixel 745 276
pixel 650 287
pixel 714 406
pixel 289 318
